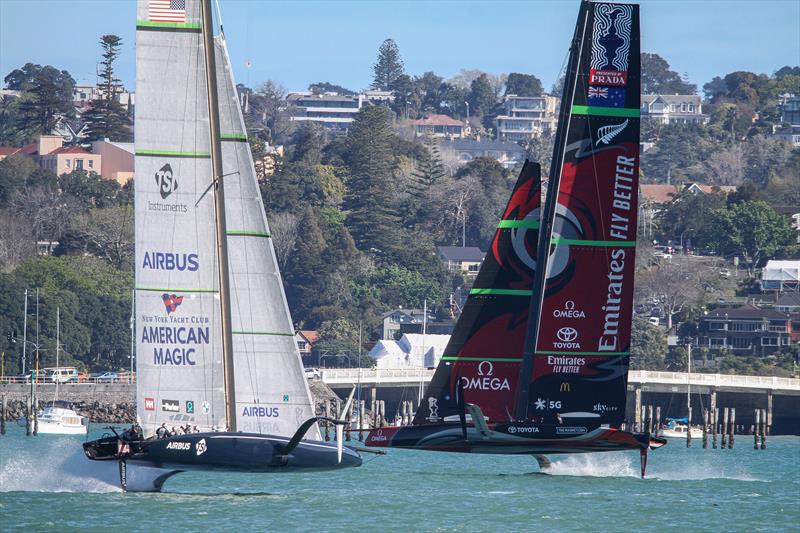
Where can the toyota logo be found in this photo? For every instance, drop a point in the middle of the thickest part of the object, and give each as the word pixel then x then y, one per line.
pixel 488 366
pixel 512 429
pixel 567 334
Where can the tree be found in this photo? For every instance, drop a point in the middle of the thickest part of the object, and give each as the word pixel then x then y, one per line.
pixel 407 97
pixel 687 216
pixel 322 87
pixel 107 233
pixel 679 285
pixel 388 67
pixel 48 97
pixel 432 89
pixel 269 110
pixel 648 346
pixel 481 96
pixel 658 78
pixel 284 229
pixel 748 229
pixel 523 85
pixel 106 117
pixel 372 218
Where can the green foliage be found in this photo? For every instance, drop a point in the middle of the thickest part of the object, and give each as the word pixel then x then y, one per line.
pixel 658 78
pixel 523 85
pixel 372 218
pixel 106 118
pixel 648 346
pixel 481 96
pixel 388 67
pixel 407 97
pixel 323 87
pixel 751 229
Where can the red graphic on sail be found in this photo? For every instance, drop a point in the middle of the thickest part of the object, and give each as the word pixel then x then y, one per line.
pixel 485 349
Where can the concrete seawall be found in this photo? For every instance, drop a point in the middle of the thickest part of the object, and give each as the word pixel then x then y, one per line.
pixel 101 402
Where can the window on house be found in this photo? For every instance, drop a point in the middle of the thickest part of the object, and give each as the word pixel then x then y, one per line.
pixel 691 108
pixel 301 345
pixel 91 163
pixel 769 341
pixel 714 342
pixel 474 268
pixel 717 326
pixel 745 326
pixel 67 163
pixel 683 107
pixel 79 164
pixel 741 343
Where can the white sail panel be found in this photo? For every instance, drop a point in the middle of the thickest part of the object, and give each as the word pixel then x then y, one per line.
pixel 272 394
pixel 178 338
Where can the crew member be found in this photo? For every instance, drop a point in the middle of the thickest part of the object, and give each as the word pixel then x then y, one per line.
pixel 162 431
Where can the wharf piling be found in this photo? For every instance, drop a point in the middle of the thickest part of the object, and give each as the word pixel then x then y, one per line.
pixel 361 406
pixel 705 428
pixel 28 416
pixel 756 428
pixel 764 426
pixel 3 416
pixel 724 443
pixel 733 428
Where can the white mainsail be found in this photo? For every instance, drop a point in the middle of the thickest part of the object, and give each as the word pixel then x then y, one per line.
pixel 178 334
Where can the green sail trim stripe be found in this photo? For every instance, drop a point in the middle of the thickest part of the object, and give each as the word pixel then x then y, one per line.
pixel 157 289
pixel 530 224
pixel 271 333
pixel 601 244
pixel 605 111
pixel 502 292
pixel 244 233
pixel 171 153
pixel 617 354
pixel 493 359
pixel 233 137
pixel 149 24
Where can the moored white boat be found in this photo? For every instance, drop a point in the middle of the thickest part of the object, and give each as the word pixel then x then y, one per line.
pixel 59 418
pixel 677 430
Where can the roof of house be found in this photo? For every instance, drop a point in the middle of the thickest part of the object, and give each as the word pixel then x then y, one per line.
pixel 309 334
pixel 473 145
pixel 69 150
pixel 746 312
pixel 437 120
pixel 671 98
pixel 788 299
pixel 459 253
pixel 661 193
pixel 8 150
pixel 30 149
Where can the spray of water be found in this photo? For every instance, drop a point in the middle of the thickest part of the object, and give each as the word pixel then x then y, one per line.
pixel 55 464
pixel 595 465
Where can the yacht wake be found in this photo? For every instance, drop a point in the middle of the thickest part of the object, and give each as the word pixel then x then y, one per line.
pixel 595 465
pixel 53 464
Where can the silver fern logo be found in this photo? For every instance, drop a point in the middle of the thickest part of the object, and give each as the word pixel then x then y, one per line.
pixel 606 134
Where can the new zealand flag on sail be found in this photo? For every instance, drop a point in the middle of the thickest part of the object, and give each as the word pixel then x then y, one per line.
pixel 606 97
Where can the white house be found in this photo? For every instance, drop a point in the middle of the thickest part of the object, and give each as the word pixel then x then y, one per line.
pixel 411 351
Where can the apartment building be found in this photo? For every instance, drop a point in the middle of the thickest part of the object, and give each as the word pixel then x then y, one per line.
pixel 526 117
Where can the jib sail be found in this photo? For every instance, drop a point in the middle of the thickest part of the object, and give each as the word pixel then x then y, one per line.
pixel 485 350
pixel 581 326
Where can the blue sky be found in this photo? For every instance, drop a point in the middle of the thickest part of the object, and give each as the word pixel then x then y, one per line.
pixel 300 42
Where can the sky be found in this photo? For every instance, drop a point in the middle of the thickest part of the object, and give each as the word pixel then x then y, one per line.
pixel 301 42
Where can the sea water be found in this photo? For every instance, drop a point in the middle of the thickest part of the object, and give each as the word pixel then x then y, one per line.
pixel 46 484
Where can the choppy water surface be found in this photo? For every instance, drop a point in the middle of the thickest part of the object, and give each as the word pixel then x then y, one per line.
pixel 46 484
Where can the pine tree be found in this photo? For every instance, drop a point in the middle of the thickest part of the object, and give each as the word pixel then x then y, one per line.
pixel 372 219
pixel 389 66
pixel 430 168
pixel 106 117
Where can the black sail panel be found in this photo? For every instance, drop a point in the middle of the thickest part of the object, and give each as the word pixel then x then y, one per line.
pixel 485 350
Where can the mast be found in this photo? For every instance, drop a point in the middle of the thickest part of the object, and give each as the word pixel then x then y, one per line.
pixel 545 231
pixel 58 339
pixel 219 209
pixel 25 333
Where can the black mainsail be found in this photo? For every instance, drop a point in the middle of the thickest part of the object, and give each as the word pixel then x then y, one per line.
pixel 541 367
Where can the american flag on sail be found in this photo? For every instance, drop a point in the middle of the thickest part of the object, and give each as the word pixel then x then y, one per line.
pixel 167 10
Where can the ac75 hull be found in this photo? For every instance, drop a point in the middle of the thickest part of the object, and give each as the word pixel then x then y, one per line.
pixel 511 439
pixel 247 452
